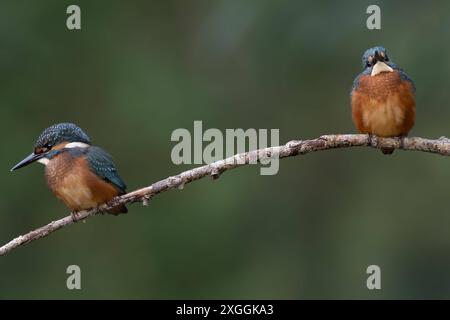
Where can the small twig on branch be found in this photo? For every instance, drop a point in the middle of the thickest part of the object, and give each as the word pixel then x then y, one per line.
pixel 293 148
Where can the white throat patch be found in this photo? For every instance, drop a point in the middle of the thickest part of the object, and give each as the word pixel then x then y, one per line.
pixel 44 161
pixel 76 145
pixel 380 67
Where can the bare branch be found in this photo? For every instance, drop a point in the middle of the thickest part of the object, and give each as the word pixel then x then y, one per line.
pixel 293 148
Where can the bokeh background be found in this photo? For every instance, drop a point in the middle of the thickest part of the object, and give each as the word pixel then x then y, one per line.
pixel 140 69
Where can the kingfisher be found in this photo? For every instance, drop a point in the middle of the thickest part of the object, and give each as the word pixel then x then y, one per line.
pixel 81 175
pixel 383 97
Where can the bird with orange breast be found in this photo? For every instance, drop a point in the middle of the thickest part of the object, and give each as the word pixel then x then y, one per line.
pixel 382 97
pixel 81 175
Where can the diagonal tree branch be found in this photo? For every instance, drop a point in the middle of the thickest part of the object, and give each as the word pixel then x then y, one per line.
pixel 293 148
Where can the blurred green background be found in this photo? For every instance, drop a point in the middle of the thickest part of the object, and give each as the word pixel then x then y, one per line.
pixel 140 69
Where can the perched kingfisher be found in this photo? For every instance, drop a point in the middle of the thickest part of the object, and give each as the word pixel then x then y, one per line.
pixel 382 96
pixel 81 175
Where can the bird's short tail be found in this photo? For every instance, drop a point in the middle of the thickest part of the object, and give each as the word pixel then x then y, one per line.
pixel 387 150
pixel 118 210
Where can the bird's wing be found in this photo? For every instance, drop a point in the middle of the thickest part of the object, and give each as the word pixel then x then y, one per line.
pixel 356 80
pixel 355 83
pixel 102 165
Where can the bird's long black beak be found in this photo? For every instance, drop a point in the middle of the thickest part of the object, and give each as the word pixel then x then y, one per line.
pixel 30 159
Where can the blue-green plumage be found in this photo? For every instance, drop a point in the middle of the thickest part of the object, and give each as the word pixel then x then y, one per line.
pixel 67 132
pixel 103 166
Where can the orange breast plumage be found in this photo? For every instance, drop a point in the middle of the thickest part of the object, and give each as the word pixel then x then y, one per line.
pixel 71 180
pixel 383 105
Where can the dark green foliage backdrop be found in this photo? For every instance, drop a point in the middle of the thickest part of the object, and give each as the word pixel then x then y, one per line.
pixel 140 69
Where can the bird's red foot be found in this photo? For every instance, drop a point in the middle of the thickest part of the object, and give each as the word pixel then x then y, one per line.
pixel 75 216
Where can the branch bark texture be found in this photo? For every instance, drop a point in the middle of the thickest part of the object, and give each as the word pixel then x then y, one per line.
pixel 293 148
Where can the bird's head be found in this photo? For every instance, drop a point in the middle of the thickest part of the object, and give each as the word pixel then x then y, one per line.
pixel 53 139
pixel 375 60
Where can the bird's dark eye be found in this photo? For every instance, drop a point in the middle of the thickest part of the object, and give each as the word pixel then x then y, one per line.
pixel 45 148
